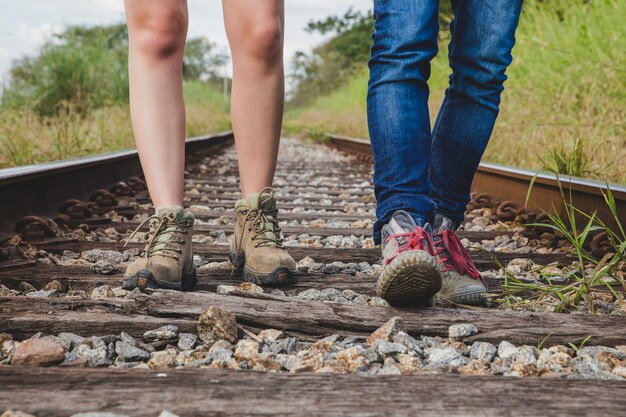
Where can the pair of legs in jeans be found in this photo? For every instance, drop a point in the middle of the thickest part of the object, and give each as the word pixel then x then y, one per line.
pixel 157 34
pixel 426 173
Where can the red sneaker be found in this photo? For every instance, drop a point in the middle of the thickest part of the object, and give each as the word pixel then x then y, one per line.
pixel 461 281
pixel 410 274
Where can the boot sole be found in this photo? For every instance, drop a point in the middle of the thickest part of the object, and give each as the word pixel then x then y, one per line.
pixel 279 276
pixel 145 279
pixel 411 279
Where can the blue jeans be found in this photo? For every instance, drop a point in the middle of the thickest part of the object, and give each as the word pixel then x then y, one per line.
pixel 416 170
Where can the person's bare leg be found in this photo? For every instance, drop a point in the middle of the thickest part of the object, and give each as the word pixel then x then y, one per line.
pixel 157 32
pixel 255 34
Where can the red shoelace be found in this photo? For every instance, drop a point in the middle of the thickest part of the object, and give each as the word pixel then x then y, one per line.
pixel 414 241
pixel 454 256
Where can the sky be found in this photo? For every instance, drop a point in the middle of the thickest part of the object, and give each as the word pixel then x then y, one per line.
pixel 26 24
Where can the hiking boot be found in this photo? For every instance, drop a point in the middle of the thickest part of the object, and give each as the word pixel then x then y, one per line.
pixel 257 246
pixel 410 275
pixel 168 258
pixel 461 281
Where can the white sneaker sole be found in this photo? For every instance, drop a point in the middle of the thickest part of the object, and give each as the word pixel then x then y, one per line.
pixel 411 279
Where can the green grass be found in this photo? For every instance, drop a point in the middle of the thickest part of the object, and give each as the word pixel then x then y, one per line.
pixel 27 138
pixel 342 112
pixel 588 277
pixel 566 85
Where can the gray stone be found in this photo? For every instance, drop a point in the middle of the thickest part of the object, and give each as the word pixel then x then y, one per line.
pixel 349 341
pixel 526 355
pixel 104 267
pixel 388 348
pixel 97 342
pixel 119 292
pixel 588 365
pixel 226 289
pixel 278 293
pixel 103 291
pixel 311 295
pixel 42 294
pixel 389 370
pixel 70 340
pixel 96 255
pixel 430 341
pixel 125 337
pixel 130 353
pixel 219 355
pixel 446 356
pixel 378 302
pixel 349 294
pixel 461 331
pixel 286 345
pixel 371 355
pixel 483 350
pixel 168 332
pixel 411 343
pixel 98 414
pixel 187 341
pixel 95 357
pixel 506 349
pixel 122 364
pixel 594 351
pixel 330 269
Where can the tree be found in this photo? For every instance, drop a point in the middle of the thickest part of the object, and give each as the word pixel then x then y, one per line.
pixel 201 61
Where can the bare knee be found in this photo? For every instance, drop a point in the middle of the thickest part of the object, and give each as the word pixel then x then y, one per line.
pixel 159 33
pixel 262 41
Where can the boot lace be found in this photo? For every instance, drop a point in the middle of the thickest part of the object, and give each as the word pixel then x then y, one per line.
pixel 413 240
pixel 264 228
pixel 158 227
pixel 453 255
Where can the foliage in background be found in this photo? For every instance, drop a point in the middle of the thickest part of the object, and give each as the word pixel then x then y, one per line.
pixel 202 61
pixel 85 68
pixel 79 69
pixel 330 64
pixel 566 81
pixel 72 98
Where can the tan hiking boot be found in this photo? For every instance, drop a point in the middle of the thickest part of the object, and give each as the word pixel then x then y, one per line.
pixel 461 281
pixel 257 246
pixel 410 275
pixel 168 258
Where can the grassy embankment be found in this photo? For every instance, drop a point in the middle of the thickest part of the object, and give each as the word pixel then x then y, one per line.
pixel 566 84
pixel 28 138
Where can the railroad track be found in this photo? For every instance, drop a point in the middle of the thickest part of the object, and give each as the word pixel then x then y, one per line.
pixel 308 349
pixel 496 184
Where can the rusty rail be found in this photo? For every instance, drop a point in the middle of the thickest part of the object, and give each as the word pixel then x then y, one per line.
pixel 41 188
pixel 499 183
